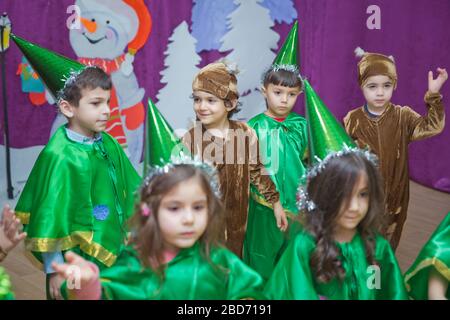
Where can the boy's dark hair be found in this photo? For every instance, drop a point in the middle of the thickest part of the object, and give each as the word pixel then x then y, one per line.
pixel 283 78
pixel 90 78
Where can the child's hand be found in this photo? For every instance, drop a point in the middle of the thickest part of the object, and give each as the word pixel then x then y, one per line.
pixel 280 216
pixel 76 269
pixel 54 286
pixel 434 85
pixel 437 286
pixel 10 230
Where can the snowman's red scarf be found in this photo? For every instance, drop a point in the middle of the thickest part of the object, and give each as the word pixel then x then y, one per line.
pixel 109 66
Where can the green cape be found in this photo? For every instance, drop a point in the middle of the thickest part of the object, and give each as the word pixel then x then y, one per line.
pixel 188 276
pixel 78 196
pixel 282 146
pixel 293 278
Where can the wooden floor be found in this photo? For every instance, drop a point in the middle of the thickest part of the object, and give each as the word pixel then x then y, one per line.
pixel 426 209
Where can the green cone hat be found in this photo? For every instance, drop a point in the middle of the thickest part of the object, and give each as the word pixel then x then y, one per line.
pixel 160 141
pixel 287 58
pixel 325 133
pixel 53 68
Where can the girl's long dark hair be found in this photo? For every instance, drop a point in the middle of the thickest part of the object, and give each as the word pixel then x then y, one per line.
pixel 331 190
pixel 147 238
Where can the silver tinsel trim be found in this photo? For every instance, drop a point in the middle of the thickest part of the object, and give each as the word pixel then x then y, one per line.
pixel 278 67
pixel 232 67
pixel 303 201
pixel 316 169
pixel 287 67
pixel 206 167
pixel 68 81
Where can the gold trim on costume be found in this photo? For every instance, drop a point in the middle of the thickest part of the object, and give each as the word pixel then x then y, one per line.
pixel 440 266
pixel 24 217
pixel 60 244
pixel 83 239
pixel 100 253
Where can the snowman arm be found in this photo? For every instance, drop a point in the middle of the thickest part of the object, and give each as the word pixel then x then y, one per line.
pixel 127 64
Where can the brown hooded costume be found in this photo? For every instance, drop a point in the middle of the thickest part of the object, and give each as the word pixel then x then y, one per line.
pixel 388 136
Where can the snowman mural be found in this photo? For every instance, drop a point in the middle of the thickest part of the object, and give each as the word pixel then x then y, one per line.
pixel 99 34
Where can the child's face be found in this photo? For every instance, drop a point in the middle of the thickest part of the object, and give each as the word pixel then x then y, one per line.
pixel 378 91
pixel 92 113
pixel 280 99
pixel 210 110
pixel 357 206
pixel 183 215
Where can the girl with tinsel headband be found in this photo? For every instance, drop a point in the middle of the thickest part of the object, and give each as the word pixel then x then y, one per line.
pixel 282 136
pixel 339 254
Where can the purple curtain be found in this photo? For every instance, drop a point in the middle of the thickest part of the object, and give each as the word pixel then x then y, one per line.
pixel 415 32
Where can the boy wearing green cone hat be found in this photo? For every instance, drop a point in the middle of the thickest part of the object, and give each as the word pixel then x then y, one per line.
pixel 282 137
pixel 79 194
pixel 388 129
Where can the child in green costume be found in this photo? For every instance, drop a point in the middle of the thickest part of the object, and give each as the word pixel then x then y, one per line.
pixel 429 275
pixel 340 253
pixel 79 194
pixel 282 136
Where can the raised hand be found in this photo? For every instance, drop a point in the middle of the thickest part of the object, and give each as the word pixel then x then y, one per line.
pixel 434 85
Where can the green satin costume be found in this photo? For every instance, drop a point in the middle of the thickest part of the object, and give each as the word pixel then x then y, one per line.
pixel 188 276
pixel 282 147
pixel 5 286
pixel 79 197
pixel 293 278
pixel 434 254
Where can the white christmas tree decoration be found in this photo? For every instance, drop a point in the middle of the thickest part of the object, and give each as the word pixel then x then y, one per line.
pixel 251 40
pixel 180 62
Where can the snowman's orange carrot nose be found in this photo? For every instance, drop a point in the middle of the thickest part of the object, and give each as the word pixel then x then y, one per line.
pixel 91 26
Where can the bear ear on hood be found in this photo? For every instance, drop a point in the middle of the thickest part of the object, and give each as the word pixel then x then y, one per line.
pixel 359 52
